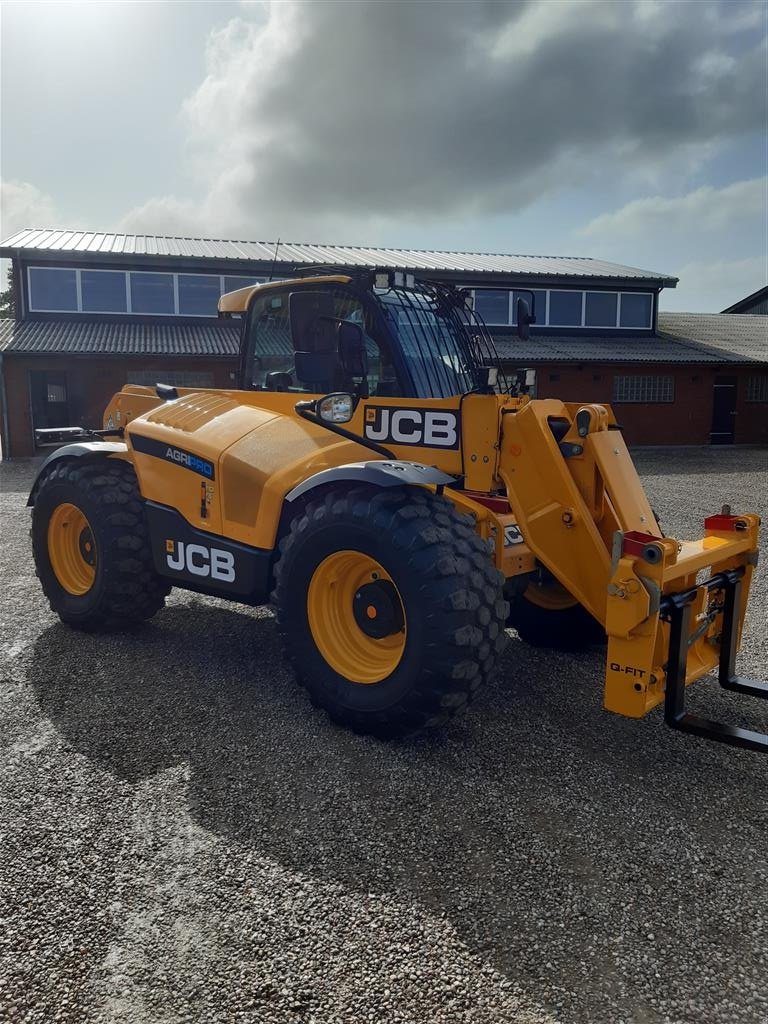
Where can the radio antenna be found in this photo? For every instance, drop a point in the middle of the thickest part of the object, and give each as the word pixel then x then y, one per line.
pixel 274 260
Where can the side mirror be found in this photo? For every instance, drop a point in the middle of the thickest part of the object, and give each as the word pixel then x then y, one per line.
pixel 352 353
pixel 524 319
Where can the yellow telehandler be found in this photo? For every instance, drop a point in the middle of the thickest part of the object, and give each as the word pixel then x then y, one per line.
pixel 400 503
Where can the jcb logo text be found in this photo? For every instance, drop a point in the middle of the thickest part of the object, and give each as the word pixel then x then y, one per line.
pixel 200 560
pixel 428 428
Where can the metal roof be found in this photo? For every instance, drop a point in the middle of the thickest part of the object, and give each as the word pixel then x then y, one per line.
pixel 102 244
pixel 750 303
pixel 682 338
pixel 66 337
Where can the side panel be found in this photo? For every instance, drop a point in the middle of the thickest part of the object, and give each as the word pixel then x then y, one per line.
pixel 206 563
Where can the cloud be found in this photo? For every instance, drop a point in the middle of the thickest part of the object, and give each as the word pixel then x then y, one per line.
pixel 329 118
pixel 714 239
pixel 23 205
pixel 709 287
pixel 705 209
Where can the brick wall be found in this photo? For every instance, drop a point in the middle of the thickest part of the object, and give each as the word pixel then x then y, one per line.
pixel 92 382
pixel 687 420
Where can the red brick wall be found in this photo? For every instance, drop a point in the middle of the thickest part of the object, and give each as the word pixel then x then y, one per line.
pixel 687 420
pixel 91 382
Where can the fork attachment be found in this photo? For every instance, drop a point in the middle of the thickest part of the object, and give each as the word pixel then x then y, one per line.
pixel 676 609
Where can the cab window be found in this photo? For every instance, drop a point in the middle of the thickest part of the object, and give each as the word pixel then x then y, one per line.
pixel 270 364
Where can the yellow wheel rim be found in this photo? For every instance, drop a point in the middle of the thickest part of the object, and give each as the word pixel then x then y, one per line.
pixel 550 596
pixel 71 549
pixel 351 600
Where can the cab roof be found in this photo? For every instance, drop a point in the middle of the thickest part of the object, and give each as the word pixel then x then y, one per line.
pixel 239 301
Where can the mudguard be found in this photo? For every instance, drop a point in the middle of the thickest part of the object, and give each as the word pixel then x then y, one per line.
pixel 74 451
pixel 393 473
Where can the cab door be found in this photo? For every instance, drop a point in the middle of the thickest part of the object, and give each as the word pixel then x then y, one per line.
pixel 268 362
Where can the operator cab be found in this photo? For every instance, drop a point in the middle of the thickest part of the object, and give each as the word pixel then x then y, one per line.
pixel 380 334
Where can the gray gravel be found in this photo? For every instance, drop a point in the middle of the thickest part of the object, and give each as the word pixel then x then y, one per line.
pixel 183 838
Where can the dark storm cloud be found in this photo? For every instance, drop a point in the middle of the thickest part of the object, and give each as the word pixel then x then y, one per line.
pixel 424 107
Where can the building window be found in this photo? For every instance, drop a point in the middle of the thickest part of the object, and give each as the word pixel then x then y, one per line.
pixel 757 388
pixel 198 294
pixel 565 309
pixel 52 290
pixel 637 388
pixel 152 293
pixel 636 310
pixel 61 290
pixel 492 305
pixel 600 309
pixel 178 378
pixel 103 291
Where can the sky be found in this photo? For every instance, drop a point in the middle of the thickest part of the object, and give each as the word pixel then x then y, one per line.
pixel 626 130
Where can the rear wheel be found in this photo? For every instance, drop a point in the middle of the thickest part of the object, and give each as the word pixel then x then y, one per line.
pixel 91 545
pixel 389 608
pixel 546 615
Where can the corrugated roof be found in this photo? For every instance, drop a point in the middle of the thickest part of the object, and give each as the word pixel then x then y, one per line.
pixel 681 338
pixel 66 337
pixel 684 338
pixel 739 337
pixel 298 254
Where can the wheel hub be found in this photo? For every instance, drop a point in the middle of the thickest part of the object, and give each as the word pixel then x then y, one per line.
pixel 377 609
pixel 87 547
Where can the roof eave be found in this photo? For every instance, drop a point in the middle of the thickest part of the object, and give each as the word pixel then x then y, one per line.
pixel 464 275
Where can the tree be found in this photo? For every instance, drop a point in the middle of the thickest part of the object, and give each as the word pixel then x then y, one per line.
pixel 7 298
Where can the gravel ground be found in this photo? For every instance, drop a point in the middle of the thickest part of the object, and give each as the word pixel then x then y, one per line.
pixel 183 838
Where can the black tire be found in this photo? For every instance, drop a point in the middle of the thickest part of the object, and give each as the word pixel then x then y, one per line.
pixel 560 629
pixel 451 597
pixel 126 588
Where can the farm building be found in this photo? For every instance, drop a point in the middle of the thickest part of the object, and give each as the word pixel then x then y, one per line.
pixel 94 311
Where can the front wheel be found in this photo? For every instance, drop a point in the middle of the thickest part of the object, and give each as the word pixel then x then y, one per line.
pixel 389 608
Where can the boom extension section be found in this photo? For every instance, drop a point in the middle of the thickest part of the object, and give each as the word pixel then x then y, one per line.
pixel 673 610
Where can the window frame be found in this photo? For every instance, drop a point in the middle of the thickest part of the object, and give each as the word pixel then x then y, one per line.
pixel 757 389
pixel 545 322
pixel 98 312
pixel 643 380
pixel 78 296
pixel 129 311
pixel 571 291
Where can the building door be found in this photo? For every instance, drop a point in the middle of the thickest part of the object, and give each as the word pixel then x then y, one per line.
pixel 49 399
pixel 723 410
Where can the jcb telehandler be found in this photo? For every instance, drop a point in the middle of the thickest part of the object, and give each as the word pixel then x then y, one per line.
pixel 400 504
